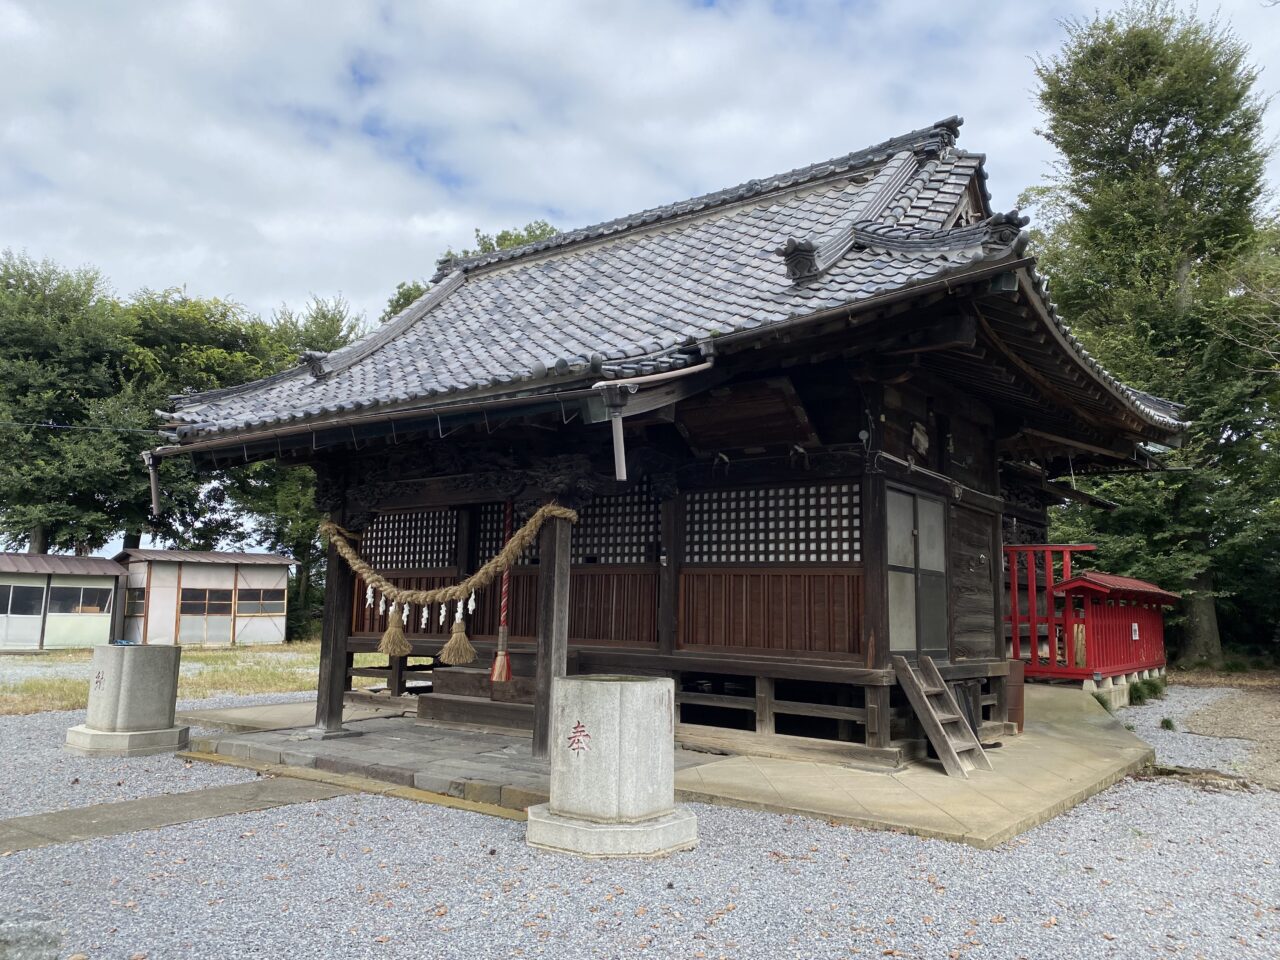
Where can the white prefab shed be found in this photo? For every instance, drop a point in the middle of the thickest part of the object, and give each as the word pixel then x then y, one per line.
pixel 205 597
pixel 50 601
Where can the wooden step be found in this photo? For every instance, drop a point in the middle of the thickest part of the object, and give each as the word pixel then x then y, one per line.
pixel 515 690
pixel 939 714
pixel 462 681
pixel 475 710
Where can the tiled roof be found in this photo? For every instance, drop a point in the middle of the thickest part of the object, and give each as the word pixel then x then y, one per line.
pixel 646 293
pixel 205 556
pixel 1109 582
pixel 44 564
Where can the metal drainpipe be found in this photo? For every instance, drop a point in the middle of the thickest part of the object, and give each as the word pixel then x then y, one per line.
pixel 614 400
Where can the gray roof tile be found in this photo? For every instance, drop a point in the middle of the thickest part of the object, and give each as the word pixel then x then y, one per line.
pixel 620 294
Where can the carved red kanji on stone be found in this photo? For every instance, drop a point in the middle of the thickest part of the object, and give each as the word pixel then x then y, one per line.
pixel 579 738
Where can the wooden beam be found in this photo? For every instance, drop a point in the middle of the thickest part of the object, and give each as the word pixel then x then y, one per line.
pixel 657 397
pixel 954 333
pixel 1078 444
pixel 1038 379
pixel 553 625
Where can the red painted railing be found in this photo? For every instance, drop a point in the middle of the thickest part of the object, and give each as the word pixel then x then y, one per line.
pixel 1078 633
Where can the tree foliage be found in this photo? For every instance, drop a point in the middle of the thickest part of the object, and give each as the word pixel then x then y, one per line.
pixel 82 374
pixel 1154 206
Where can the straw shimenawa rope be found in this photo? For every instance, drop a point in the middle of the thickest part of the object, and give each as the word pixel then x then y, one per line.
pixel 459 649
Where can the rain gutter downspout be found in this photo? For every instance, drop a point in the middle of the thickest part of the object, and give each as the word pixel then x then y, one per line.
pixel 615 393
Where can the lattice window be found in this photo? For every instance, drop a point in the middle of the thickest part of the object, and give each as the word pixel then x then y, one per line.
pixel 491 540
pixel 418 540
pixel 620 528
pixel 802 523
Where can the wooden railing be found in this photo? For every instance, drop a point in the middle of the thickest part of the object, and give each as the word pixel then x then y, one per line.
pixel 1077 636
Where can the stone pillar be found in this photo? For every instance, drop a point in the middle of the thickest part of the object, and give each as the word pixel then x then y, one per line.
pixel 133 691
pixel 612 770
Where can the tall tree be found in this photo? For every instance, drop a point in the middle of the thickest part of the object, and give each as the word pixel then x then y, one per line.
pixel 408 291
pixel 63 344
pixel 1156 194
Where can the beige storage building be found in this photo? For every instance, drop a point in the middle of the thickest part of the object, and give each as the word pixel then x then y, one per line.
pixel 49 601
pixel 205 597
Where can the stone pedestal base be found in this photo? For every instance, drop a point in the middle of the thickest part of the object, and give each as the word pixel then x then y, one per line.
pixel 135 743
pixel 320 733
pixel 668 833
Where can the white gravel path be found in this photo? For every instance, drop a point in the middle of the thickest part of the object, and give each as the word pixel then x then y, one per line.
pixel 1177 747
pixel 1156 869
pixel 39 776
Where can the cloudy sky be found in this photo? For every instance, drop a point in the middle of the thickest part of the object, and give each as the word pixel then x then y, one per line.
pixel 266 151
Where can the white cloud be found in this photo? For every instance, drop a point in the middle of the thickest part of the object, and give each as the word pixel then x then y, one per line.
pixel 266 151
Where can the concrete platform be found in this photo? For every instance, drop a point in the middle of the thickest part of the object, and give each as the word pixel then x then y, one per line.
pixel 1071 749
pixel 278 716
pixel 148 813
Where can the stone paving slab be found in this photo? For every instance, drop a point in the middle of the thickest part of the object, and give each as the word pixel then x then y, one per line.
pixel 1071 750
pixel 276 716
pixel 148 813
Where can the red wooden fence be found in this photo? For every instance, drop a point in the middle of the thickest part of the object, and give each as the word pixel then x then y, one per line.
pixel 1094 626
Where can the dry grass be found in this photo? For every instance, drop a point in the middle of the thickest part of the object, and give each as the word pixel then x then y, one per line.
pixel 43 693
pixel 231 671
pixel 1256 679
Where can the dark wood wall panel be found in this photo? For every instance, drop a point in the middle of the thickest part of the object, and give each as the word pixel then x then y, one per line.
pixel 367 619
pixel 607 604
pixel 973 561
pixel 615 606
pixel 810 610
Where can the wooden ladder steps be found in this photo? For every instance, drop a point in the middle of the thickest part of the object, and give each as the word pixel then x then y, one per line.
pixel 953 739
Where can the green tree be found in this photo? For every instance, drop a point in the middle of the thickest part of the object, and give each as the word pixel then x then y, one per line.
pixel 1155 198
pixel 64 343
pixel 324 324
pixel 407 291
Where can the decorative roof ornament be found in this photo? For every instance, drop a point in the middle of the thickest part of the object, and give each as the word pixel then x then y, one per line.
pixel 807 257
pixel 315 362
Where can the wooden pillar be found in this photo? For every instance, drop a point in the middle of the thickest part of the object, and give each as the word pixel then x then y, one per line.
pixel 879 717
pixel 118 600
pixel 669 574
pixel 875 544
pixel 764 705
pixel 339 582
pixel 553 624
pixel 875 575
pixel 44 610
pixel 395 676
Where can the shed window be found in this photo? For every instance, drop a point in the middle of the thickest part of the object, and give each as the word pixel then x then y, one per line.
pixel 4 598
pixel 26 602
pixel 80 600
pixel 135 601
pixel 199 602
pixel 256 603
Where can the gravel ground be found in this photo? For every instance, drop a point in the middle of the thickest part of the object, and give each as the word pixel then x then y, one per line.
pixel 1151 868
pixel 1178 747
pixel 39 776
